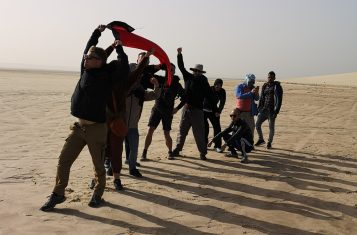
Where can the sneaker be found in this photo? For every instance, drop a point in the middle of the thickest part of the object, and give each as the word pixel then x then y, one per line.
pixel 95 201
pixel 259 142
pixel 175 152
pixel 268 145
pixel 171 156
pixel 117 184
pixel 219 150
pixel 92 184
pixel 136 173
pixel 244 159
pixel 203 157
pixel 109 171
pixel 52 202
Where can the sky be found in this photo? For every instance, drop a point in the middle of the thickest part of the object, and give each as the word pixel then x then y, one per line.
pixel 295 38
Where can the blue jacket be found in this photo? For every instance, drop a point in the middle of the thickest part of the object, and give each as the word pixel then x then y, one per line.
pixel 239 92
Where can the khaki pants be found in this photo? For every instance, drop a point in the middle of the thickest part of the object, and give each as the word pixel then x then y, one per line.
pixel 246 116
pixel 94 136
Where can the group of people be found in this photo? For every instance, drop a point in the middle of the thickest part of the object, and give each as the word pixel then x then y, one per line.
pixel 108 101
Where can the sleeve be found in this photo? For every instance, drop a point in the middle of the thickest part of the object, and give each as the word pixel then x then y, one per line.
pixel 93 40
pixel 279 100
pixel 223 133
pixel 241 95
pixel 181 66
pixel 181 94
pixel 209 95
pixel 262 98
pixel 136 74
pixel 222 101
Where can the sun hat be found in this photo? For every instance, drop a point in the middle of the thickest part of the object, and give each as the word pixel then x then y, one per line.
pixel 199 68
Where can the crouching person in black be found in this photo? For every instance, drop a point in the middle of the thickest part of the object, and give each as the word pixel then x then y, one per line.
pixel 237 136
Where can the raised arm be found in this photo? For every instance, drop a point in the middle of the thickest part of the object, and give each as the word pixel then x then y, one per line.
pixel 181 65
pixel 93 41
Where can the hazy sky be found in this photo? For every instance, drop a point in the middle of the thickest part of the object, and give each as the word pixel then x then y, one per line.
pixel 229 37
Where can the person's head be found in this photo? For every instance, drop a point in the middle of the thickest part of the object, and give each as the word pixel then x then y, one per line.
pixel 95 58
pixel 249 80
pixel 173 68
pixel 141 56
pixel 218 83
pixel 198 70
pixel 235 114
pixel 271 76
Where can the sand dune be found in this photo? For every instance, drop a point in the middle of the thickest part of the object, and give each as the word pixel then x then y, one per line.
pixel 306 184
pixel 345 79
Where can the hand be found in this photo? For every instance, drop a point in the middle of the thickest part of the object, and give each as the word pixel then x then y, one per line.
pixel 209 144
pixel 154 81
pixel 223 147
pixel 255 90
pixel 150 52
pixel 117 43
pixel 101 27
pixel 179 50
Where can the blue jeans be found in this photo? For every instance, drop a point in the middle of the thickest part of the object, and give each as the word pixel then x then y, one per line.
pixel 131 147
pixel 262 117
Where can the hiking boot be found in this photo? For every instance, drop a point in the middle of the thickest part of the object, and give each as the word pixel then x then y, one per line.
pixel 244 159
pixel 52 202
pixel 171 156
pixel 95 201
pixel 259 142
pixel 175 152
pixel 268 145
pixel 109 171
pixel 203 157
pixel 117 184
pixel 219 150
pixel 136 173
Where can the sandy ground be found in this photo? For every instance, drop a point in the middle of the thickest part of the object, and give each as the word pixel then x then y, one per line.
pixel 306 184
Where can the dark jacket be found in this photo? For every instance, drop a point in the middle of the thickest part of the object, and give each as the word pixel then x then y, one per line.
pixel 274 104
pixel 94 87
pixel 220 98
pixel 196 87
pixel 165 103
pixel 239 129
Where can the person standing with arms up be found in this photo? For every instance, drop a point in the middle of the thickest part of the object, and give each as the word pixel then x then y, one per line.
pixel 88 104
pixel 196 89
pixel 269 106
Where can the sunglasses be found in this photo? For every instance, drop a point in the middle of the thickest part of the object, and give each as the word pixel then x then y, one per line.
pixel 90 57
pixel 233 115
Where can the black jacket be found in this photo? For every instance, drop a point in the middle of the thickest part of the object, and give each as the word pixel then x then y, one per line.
pixel 275 104
pixel 196 87
pixel 220 97
pixel 94 87
pixel 239 129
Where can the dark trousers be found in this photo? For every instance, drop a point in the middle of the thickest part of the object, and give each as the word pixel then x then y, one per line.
pixel 215 121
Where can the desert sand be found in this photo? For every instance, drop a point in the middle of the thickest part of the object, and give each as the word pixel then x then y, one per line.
pixel 306 184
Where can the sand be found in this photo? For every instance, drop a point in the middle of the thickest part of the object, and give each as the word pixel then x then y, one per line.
pixel 306 184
